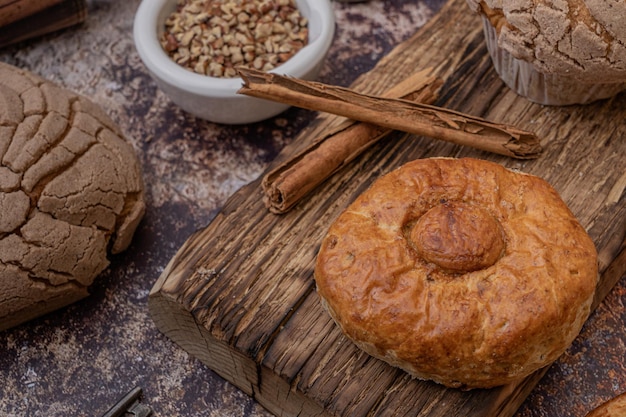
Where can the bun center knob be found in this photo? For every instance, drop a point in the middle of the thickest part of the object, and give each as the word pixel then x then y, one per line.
pixel 458 237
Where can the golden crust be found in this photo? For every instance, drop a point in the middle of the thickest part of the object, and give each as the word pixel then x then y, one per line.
pixel 615 407
pixel 462 321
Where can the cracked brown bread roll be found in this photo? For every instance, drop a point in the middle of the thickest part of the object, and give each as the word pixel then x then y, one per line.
pixel 459 271
pixel 615 407
pixel 70 192
pixel 557 52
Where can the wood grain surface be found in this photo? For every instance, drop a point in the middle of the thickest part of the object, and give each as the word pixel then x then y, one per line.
pixel 240 296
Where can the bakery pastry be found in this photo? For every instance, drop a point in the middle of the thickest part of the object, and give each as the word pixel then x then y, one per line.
pixel 557 52
pixel 459 271
pixel 615 407
pixel 71 191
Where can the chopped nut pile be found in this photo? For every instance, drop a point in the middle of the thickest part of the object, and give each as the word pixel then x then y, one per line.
pixel 213 37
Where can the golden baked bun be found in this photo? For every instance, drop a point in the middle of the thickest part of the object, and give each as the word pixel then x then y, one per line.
pixel 459 271
pixel 615 407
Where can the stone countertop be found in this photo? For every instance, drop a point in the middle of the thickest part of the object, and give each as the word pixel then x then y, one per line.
pixel 78 361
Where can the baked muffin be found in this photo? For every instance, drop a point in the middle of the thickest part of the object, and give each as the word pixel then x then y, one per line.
pixel 557 52
pixel 459 271
pixel 71 192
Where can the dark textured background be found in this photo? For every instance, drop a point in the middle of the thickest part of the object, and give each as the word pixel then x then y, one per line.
pixel 79 360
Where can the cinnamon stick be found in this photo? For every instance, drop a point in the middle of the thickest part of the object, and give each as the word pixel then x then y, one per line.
pixel 286 184
pixel 57 15
pixel 397 114
pixel 13 10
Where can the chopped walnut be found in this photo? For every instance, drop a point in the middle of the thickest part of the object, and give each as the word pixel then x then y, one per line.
pixel 213 37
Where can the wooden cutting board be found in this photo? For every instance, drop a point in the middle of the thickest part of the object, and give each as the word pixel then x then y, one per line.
pixel 240 296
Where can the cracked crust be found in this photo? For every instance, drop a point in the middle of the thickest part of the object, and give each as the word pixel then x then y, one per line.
pixel 459 271
pixel 70 192
pixel 571 42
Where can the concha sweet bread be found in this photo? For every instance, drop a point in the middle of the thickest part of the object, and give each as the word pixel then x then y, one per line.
pixel 71 192
pixel 459 271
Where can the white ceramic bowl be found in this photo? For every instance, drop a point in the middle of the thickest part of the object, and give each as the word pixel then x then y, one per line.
pixel 215 99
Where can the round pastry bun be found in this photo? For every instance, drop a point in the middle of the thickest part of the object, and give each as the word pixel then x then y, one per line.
pixel 71 193
pixel 615 407
pixel 557 53
pixel 458 271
